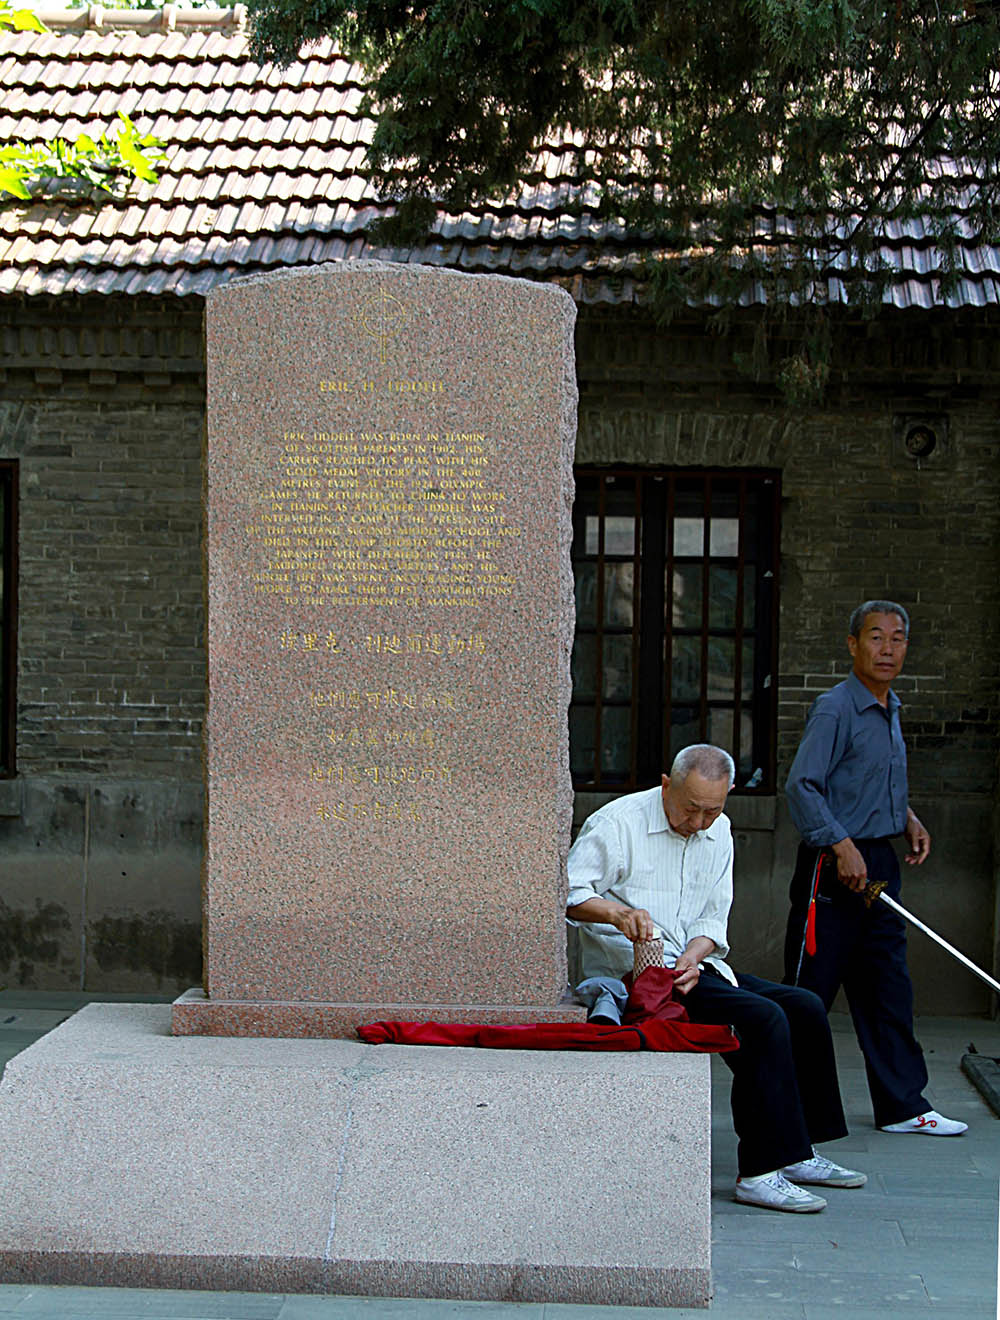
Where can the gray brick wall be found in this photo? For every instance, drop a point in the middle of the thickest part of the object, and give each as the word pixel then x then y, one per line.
pixel 102 404
pixel 862 520
pixel 106 418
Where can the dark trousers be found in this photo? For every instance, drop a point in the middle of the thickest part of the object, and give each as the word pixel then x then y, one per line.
pixel 864 950
pixel 785 1095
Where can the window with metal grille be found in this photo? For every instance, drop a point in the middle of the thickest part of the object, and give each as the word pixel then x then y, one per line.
pixel 8 612
pixel 676 623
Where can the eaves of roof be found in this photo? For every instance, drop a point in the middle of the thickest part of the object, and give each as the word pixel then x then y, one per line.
pixel 264 170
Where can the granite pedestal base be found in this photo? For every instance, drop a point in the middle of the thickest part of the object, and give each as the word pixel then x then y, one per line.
pixel 137 1158
pixel 193 1014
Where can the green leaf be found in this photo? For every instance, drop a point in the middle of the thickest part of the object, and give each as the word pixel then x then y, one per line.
pixel 21 20
pixel 135 160
pixel 11 182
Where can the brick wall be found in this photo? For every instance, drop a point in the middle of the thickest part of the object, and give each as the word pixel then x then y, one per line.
pixel 102 403
pixel 863 520
pixel 106 420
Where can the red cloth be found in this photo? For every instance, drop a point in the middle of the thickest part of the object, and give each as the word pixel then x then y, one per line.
pixel 652 996
pixel 653 1021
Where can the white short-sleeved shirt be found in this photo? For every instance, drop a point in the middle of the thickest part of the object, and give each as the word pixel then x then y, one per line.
pixel 627 851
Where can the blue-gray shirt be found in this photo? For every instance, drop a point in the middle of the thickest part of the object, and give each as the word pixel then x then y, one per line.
pixel 848 779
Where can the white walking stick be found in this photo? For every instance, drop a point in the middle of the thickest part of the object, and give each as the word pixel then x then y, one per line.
pixel 875 891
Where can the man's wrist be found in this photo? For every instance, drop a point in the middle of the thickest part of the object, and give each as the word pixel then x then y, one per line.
pixel 618 916
pixel 700 947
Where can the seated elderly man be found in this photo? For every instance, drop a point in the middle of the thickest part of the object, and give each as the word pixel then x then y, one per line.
pixel 659 865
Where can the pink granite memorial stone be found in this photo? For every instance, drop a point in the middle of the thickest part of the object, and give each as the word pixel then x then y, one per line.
pixel 389 481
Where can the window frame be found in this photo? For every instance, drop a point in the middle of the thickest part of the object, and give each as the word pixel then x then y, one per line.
pixel 653 628
pixel 8 618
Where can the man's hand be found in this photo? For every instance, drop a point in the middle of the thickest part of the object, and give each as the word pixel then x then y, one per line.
pixel 686 970
pixel 851 868
pixel 686 973
pixel 918 839
pixel 634 923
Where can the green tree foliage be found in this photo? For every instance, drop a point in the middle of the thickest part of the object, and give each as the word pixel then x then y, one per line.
pixel 106 164
pixel 699 127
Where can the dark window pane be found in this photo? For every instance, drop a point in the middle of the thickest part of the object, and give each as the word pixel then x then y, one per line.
pixel 686 607
pixel 616 740
pixel 685 669
pixel 747 684
pixel 582 749
pixel 618 591
pixel 749 603
pixel 584 667
pixel 721 668
pixel 689 497
pixel 722 596
pixel 618 668
pixel 586 595
pixel 685 728
pixel 745 769
pixel 751 519
pixel 720 727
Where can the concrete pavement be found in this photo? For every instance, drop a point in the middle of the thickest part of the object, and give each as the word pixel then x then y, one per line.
pixel 919 1240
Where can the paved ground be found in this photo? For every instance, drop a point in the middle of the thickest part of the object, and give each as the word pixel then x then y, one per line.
pixel 919 1240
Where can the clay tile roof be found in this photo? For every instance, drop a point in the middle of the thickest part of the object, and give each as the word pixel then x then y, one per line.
pixel 264 171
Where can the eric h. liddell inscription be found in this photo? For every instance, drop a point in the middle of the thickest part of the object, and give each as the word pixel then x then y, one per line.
pixel 388 498
pixel 406 523
pixel 384 517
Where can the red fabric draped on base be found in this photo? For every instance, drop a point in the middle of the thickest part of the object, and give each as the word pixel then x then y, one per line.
pixel 653 1020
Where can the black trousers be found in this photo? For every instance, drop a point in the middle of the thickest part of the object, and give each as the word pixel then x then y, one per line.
pixel 785 1094
pixel 864 950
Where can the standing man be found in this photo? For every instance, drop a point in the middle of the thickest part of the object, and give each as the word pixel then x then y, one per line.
pixel 659 865
pixel 847 795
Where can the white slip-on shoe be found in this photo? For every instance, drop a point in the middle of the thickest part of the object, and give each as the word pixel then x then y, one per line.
pixel 821 1172
pixel 773 1191
pixel 933 1123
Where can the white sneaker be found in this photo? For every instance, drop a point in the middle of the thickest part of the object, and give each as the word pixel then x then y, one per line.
pixel 824 1173
pixel 933 1123
pixel 773 1191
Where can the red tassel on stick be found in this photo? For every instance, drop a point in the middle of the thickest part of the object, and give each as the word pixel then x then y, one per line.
pixel 811 928
pixel 810 944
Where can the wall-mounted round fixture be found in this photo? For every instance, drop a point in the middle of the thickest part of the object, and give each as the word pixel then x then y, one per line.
pixel 922 438
pixel 919 440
